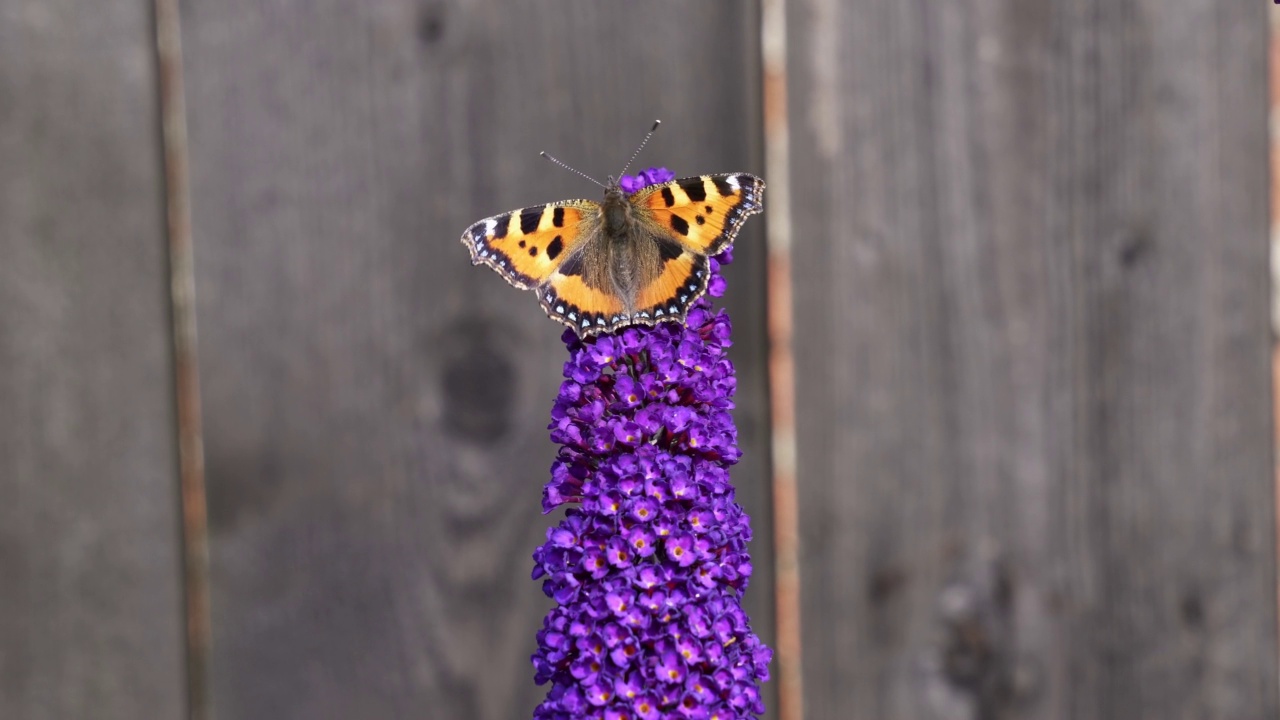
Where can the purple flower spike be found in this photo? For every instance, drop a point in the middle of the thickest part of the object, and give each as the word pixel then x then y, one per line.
pixel 650 562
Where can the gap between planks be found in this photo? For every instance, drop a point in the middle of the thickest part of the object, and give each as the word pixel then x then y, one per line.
pixel 781 366
pixel 1274 141
pixel 195 529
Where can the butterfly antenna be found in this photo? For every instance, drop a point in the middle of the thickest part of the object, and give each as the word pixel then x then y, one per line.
pixel 636 154
pixel 566 167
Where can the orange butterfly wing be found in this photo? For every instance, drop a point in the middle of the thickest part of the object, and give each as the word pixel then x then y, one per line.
pixel 526 246
pixel 567 298
pixel 703 213
pixel 682 280
pixel 540 247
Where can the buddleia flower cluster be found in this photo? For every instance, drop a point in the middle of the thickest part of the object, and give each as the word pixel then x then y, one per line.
pixel 649 565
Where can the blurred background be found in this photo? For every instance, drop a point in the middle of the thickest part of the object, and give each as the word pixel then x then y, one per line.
pixel 1002 335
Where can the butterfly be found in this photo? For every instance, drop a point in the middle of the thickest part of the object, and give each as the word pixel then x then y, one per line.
pixel 633 259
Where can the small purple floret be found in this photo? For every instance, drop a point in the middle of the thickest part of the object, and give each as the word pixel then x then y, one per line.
pixel 649 564
pixel 634 183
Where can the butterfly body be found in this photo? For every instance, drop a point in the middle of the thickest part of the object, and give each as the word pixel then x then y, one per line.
pixel 638 258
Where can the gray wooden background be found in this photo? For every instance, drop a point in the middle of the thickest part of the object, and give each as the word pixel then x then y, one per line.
pixel 1033 394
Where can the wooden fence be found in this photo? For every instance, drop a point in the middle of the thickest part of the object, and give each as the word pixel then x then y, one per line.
pixel 1027 245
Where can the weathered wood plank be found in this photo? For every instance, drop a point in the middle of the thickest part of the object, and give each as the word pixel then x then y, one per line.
pixel 1031 306
pixel 90 601
pixel 375 407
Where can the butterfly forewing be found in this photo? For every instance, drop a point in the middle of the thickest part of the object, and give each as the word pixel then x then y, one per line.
pixel 703 213
pixel 526 246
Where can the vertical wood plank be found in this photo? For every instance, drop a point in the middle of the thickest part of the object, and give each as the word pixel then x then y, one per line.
pixel 1032 358
pixel 376 407
pixel 90 602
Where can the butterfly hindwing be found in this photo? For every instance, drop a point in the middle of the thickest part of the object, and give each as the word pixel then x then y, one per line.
pixel 705 212
pixel 526 246
pixel 682 280
pixel 567 298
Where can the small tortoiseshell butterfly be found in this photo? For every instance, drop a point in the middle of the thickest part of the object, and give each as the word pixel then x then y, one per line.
pixel 638 258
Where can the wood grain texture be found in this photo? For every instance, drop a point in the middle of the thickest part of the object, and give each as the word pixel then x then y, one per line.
pixel 90 601
pixel 375 407
pixel 1032 336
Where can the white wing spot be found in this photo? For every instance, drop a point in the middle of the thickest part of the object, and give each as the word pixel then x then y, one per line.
pixel 559 309
pixel 658 312
pixel 733 181
pixel 573 316
pixel 490 226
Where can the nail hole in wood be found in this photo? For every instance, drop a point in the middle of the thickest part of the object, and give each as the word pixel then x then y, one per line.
pixel 1135 248
pixel 1192 610
pixel 884 584
pixel 431 25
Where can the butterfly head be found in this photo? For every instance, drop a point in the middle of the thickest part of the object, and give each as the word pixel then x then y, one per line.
pixel 616 209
